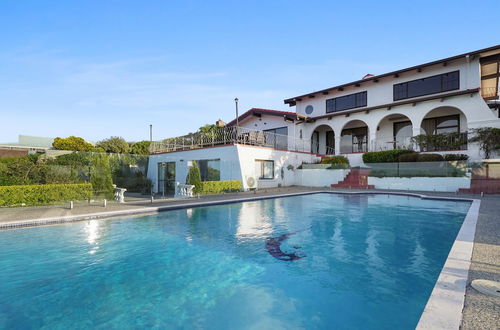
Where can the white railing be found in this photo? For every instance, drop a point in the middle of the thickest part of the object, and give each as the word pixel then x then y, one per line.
pixel 231 135
pixel 390 144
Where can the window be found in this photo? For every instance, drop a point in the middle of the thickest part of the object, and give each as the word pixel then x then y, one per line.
pixel 277 139
pixel 209 169
pixel 264 169
pixel 346 102
pixel 430 85
pixel 309 109
pixel 442 125
pixel 490 73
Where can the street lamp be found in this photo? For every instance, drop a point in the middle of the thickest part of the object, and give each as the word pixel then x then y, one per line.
pixel 237 120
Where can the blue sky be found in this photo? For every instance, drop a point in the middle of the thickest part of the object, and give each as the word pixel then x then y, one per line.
pixel 101 68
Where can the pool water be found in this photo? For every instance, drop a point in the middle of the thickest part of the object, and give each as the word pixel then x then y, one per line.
pixel 363 261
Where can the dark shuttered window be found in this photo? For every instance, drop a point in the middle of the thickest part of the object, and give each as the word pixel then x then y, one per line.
pixel 430 85
pixel 350 101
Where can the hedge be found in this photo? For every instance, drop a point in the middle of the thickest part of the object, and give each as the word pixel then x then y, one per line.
pixel 217 187
pixel 386 156
pixel 31 195
pixel 335 160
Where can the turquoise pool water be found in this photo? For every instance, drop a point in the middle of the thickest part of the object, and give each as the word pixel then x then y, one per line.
pixel 363 262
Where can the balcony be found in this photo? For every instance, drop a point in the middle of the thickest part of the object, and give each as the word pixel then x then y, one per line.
pixel 441 142
pixel 230 135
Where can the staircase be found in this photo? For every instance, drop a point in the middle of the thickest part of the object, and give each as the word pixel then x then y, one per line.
pixel 356 179
pixel 482 185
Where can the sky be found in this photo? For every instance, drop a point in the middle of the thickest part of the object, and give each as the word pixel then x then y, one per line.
pixel 102 68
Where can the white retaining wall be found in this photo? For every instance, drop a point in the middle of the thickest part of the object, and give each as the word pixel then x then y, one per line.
pixel 319 177
pixel 448 184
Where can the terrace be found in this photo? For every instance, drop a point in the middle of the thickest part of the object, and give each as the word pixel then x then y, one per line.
pixel 229 135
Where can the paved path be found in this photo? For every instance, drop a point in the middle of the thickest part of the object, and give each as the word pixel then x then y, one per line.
pixel 480 311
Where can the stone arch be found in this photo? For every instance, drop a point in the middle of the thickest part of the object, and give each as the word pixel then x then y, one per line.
pixel 354 137
pixel 394 131
pixel 323 140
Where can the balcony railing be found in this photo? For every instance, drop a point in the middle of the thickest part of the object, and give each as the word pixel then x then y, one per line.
pixel 231 135
pixel 441 142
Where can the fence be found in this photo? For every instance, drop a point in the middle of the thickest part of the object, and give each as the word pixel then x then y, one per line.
pixel 232 135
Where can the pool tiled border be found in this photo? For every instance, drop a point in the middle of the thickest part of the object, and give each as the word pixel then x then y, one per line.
pixel 444 307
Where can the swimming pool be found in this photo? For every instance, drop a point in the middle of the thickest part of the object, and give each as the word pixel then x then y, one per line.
pixel 310 261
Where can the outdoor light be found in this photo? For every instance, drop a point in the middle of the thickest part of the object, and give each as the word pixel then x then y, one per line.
pixel 237 120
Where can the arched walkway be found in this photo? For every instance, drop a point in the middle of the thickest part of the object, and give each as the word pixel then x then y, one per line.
pixel 450 124
pixel 323 140
pixel 354 137
pixel 393 132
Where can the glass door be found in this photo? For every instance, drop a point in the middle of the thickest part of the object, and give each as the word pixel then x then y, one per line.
pixel 166 178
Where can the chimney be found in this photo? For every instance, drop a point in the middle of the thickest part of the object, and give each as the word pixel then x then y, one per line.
pixel 368 75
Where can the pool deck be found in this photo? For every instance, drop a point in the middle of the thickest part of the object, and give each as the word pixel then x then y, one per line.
pixel 480 311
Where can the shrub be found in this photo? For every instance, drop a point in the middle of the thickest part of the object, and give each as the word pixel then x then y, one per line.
pixel 455 157
pixel 43 194
pixel 430 158
pixel 408 158
pixel 72 143
pixel 140 148
pixel 386 156
pixel 217 187
pixel 335 160
pixel 100 175
pixel 114 144
pixel 488 139
pixel 194 177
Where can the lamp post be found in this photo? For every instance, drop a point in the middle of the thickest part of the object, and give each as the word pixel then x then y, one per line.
pixel 237 119
pixel 151 133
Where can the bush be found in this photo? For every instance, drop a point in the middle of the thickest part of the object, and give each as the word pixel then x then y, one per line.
pixel 72 143
pixel 335 160
pixel 455 157
pixel 43 194
pixel 430 158
pixel 386 156
pixel 100 175
pixel 217 187
pixel 408 158
pixel 140 148
pixel 194 177
pixel 115 145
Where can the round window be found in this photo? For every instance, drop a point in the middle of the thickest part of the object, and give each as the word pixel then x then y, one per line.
pixel 309 109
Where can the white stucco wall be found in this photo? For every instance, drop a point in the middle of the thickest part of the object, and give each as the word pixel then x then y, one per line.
pixel 320 177
pixel 285 165
pixel 420 183
pixel 228 155
pixel 236 163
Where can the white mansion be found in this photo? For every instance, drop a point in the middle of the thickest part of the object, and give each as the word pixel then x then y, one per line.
pixel 379 112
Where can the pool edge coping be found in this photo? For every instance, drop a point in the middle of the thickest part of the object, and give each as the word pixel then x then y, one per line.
pixel 445 305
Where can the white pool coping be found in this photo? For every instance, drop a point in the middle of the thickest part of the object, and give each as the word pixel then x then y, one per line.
pixel 444 307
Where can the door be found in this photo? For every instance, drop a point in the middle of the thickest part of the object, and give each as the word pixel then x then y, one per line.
pixel 166 178
pixel 315 142
pixel 330 143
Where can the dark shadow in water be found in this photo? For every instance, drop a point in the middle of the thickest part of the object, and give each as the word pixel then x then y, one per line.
pixel 273 247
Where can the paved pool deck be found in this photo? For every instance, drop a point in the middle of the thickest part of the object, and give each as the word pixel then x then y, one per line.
pixel 480 311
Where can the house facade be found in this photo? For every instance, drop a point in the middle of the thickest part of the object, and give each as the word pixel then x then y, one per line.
pixel 429 108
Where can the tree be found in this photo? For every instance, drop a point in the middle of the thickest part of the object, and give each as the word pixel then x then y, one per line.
pixel 100 175
pixel 488 139
pixel 140 148
pixel 194 177
pixel 114 144
pixel 73 143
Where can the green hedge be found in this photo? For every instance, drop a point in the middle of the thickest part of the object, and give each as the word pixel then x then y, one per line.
pixel 217 187
pixel 386 156
pixel 335 160
pixel 30 195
